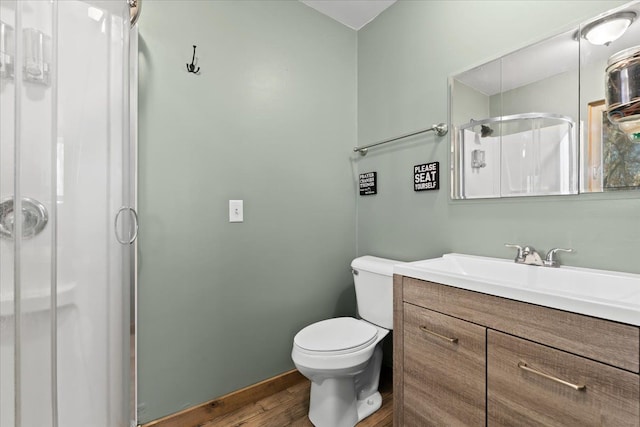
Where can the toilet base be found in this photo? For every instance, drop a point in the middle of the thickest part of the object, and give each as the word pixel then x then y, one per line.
pixel 369 405
pixel 344 401
pixel 335 404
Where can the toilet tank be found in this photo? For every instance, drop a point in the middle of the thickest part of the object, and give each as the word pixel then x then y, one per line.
pixel 373 279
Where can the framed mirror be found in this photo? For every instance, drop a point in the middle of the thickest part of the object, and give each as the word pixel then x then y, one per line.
pixel 534 122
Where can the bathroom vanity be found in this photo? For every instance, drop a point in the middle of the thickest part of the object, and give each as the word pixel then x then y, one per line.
pixel 474 353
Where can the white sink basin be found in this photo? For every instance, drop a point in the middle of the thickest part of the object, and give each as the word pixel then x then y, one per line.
pixel 600 293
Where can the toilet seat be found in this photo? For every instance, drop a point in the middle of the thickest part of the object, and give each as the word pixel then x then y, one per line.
pixel 341 335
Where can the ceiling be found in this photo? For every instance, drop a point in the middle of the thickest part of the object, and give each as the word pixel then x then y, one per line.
pixel 354 14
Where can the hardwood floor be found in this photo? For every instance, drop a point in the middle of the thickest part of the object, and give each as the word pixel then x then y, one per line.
pixel 290 407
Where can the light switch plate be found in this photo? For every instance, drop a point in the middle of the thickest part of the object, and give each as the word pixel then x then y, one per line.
pixel 236 211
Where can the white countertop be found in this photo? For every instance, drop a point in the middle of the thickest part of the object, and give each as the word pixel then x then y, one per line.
pixel 605 294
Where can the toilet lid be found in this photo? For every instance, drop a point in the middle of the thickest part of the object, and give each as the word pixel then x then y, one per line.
pixel 339 334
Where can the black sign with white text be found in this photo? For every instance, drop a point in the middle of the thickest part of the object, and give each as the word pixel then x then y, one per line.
pixel 426 177
pixel 368 183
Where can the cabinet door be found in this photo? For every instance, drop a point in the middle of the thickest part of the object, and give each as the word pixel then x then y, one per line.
pixel 444 370
pixel 529 384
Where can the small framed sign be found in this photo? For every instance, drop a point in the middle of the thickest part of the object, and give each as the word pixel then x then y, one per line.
pixel 426 176
pixel 368 183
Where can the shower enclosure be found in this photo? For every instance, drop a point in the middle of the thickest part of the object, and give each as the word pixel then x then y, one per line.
pixel 527 154
pixel 67 218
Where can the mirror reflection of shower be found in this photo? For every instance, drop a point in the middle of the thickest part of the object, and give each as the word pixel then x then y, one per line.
pixel 478 159
pixel 518 155
pixel 485 131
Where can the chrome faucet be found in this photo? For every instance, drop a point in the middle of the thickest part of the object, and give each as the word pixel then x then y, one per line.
pixel 528 255
pixel 551 259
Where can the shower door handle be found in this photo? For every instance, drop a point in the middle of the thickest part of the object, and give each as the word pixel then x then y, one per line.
pixel 134 217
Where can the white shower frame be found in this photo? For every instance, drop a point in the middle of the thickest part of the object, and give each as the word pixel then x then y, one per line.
pixel 57 292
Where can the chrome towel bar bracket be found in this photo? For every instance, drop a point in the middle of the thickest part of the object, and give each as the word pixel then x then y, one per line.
pixel 440 129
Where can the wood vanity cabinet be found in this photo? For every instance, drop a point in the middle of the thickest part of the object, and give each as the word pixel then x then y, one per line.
pixel 444 369
pixel 467 358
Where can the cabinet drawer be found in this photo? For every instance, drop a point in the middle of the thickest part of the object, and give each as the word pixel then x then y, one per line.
pixel 518 396
pixel 610 342
pixel 444 369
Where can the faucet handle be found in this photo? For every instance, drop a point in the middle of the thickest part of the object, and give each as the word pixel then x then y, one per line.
pixel 551 259
pixel 519 255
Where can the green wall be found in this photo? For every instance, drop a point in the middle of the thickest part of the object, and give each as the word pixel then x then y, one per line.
pixel 271 119
pixel 404 59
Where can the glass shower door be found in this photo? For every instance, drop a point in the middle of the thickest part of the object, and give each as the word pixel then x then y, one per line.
pixel 66 256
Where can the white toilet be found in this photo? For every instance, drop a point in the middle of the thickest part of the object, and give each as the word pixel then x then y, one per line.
pixel 342 356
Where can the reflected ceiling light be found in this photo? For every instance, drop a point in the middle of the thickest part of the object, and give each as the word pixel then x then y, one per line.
pixel 609 28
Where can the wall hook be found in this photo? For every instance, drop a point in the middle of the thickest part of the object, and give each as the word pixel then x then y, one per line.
pixel 191 68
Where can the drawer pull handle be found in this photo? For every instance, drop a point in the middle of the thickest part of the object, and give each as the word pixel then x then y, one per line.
pixel 524 366
pixel 451 340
